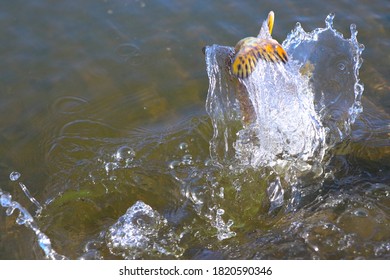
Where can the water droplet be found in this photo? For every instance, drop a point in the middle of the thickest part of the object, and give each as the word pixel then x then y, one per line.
pixel 360 212
pixel 329 20
pixel 341 66
pixel 5 200
pixel 173 164
pixel 110 166
pixel 197 195
pixel 220 212
pixel 229 223
pixel 221 192
pixel 353 29
pixel 183 146
pixel 29 196
pixel 237 185
pixel 276 194
pixel 14 176
pixel 187 160
pixel 124 153
pixel 20 220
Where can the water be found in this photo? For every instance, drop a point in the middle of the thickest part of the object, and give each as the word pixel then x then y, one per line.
pixel 104 115
pixel 25 218
pixel 297 112
pixel 138 233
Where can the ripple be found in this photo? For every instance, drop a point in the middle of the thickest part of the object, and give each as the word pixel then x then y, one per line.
pixel 68 105
pixel 87 128
pixel 129 53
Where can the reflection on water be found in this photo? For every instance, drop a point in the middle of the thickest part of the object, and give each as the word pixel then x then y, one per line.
pixel 103 115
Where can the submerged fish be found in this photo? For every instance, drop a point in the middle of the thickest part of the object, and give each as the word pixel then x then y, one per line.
pixel 249 50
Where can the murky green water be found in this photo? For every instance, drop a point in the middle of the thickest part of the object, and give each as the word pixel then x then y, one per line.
pixel 103 110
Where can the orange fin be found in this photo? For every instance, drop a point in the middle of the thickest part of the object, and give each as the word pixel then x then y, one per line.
pixel 250 50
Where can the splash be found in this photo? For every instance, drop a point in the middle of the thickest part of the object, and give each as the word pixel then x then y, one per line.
pixel 25 218
pixel 142 231
pixel 332 63
pixel 14 176
pixel 285 115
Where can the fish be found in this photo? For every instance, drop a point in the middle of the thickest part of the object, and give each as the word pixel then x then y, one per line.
pixel 250 50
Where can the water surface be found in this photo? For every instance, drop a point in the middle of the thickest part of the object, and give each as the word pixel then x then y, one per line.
pixel 103 114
